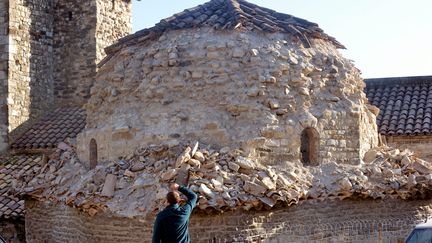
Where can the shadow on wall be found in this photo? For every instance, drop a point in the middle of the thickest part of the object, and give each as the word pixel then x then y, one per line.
pixel 93 154
pixel 12 230
pixel 31 66
pixel 309 146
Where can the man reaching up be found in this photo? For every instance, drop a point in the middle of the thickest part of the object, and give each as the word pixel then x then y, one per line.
pixel 171 225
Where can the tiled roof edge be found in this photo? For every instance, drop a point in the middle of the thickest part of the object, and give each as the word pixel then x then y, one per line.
pixel 398 80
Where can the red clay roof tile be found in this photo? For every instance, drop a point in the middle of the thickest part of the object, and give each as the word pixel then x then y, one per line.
pixel 52 129
pixel 10 168
pixel 405 104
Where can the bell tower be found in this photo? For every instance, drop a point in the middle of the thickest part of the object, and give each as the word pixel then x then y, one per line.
pixel 49 50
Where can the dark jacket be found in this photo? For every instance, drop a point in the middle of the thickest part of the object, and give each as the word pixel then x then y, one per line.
pixel 171 225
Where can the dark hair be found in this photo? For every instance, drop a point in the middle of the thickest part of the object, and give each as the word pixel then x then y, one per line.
pixel 173 197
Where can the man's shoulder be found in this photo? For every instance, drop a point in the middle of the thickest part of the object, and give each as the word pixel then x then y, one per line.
pixel 162 213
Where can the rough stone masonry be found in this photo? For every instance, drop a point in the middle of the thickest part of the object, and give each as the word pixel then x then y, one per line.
pixel 240 200
pixel 258 91
pixel 286 139
pixel 48 55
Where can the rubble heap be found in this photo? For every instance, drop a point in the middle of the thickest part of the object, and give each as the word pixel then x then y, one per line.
pixel 224 179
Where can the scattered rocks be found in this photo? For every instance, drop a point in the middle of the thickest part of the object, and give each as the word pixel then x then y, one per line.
pixel 254 188
pixel 138 167
pixel 225 179
pixel 206 191
pixel 184 157
pixel 199 156
pixel 233 166
pixel 109 185
pixel 168 175
pixel 245 163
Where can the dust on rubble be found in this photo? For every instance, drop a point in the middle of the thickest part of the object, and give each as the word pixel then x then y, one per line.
pixel 224 179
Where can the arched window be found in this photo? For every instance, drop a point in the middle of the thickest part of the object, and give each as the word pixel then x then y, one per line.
pixel 93 153
pixel 309 146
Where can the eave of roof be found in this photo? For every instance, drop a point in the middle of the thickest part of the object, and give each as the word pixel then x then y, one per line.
pixel 50 130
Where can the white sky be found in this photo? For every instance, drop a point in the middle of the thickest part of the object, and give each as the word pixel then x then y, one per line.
pixel 385 38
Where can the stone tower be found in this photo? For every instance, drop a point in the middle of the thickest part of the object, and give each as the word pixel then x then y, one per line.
pixel 49 50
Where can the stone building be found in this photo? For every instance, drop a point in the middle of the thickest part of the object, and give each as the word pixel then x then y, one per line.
pixel 48 55
pixel 286 139
pixel 231 74
pixel 286 145
pixel 49 50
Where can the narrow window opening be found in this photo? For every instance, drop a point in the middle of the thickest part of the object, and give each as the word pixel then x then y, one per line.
pixel 309 146
pixel 113 4
pixel 70 16
pixel 93 153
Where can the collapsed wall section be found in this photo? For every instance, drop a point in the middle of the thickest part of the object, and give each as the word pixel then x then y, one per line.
pixel 251 90
pixel 338 221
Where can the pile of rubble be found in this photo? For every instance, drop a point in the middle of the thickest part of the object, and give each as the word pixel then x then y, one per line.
pixel 224 179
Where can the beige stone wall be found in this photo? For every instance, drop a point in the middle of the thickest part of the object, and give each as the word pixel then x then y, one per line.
pixel 420 145
pixel 114 22
pixel 4 58
pixel 48 52
pixel 251 90
pixel 340 221
pixel 30 62
pixel 368 128
pixel 82 30
pixel 75 50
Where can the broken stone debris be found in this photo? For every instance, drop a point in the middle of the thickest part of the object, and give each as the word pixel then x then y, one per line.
pixel 224 180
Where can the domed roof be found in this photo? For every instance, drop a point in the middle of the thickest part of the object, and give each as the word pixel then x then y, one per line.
pixel 229 15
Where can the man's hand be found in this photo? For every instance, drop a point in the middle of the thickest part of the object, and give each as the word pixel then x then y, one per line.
pixel 174 187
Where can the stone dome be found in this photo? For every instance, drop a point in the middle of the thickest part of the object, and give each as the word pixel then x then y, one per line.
pixel 230 74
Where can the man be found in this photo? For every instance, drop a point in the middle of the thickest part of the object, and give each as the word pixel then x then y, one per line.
pixel 171 225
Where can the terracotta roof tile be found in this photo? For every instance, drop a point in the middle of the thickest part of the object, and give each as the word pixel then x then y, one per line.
pixel 12 168
pixel 53 128
pixel 405 104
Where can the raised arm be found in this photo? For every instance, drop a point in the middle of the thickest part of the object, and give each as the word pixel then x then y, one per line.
pixel 191 196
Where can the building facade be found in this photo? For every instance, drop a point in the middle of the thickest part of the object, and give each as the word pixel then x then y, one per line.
pixel 49 50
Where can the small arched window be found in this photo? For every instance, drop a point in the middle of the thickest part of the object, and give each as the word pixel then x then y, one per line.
pixel 309 146
pixel 93 153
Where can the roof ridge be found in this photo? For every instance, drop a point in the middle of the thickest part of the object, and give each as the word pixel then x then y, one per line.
pixel 238 13
pixel 228 15
pixel 392 81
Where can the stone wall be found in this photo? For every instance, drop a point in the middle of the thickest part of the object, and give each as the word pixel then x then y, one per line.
pixel 114 22
pixel 83 30
pixel 75 50
pixel 30 66
pixel 12 230
pixel 368 128
pixel 339 221
pixel 420 145
pixel 48 52
pixel 251 90
pixel 4 58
